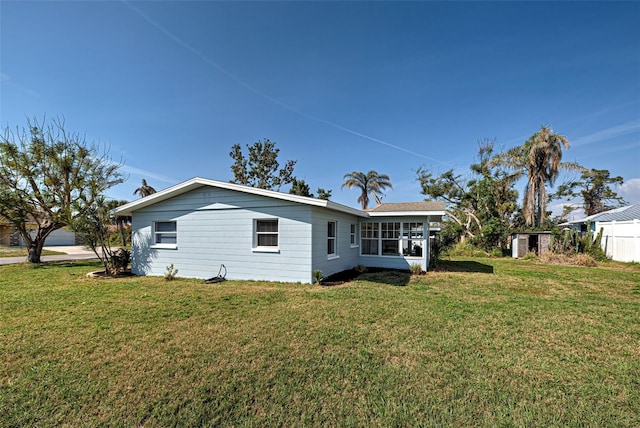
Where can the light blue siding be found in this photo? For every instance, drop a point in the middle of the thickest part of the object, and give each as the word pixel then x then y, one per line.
pixel 346 255
pixel 216 226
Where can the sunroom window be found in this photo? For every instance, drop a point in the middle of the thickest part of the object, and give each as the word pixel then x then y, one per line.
pixel 412 239
pixel 369 238
pixel 390 233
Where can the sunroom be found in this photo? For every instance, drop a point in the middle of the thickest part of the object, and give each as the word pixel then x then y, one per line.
pixel 397 235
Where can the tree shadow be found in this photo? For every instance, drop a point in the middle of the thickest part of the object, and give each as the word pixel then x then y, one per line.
pixel 462 266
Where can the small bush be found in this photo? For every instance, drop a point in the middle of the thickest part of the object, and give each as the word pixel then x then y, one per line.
pixel 496 252
pixel 317 276
pixel 170 273
pixel 360 268
pixel 416 269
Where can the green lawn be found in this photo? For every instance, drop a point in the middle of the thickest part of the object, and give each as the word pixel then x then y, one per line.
pixel 482 342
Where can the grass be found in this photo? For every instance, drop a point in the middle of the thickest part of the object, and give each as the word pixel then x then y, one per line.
pixel 22 252
pixel 480 342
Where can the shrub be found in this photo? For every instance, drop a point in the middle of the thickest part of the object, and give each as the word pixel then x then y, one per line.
pixel 415 269
pixel 496 252
pixel 567 259
pixel 317 276
pixel 170 273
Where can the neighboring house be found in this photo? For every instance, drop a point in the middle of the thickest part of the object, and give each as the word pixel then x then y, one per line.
pixel 260 234
pixel 10 237
pixel 620 231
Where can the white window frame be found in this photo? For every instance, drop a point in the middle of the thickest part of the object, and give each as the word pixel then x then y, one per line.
pixel 409 236
pixel 353 235
pixel 372 234
pixel 332 241
pixel 157 235
pixel 256 233
pixel 393 231
pixel 390 231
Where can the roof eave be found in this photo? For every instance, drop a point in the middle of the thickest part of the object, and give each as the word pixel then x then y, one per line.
pixel 405 213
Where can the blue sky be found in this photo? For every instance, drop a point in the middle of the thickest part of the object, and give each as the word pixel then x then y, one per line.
pixel 171 86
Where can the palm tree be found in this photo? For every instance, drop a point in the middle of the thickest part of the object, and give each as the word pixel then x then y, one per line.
pixel 540 159
pixel 144 189
pixel 369 183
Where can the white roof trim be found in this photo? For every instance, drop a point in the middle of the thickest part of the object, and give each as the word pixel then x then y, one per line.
pixel 405 213
pixel 196 182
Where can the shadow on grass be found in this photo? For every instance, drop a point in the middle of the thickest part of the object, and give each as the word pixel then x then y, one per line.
pixel 462 266
pixel 379 275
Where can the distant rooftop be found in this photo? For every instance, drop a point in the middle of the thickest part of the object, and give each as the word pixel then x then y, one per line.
pixel 407 206
pixel 628 213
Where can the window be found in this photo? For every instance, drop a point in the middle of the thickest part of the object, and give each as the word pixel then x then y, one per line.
pixel 390 238
pixel 165 233
pixel 353 236
pixel 266 233
pixel 369 238
pixel 390 233
pixel 331 238
pixel 412 239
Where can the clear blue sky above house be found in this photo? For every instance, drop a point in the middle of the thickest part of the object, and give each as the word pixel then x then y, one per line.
pixel 171 86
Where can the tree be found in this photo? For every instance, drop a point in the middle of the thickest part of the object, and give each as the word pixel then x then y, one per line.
pixel 481 204
pixel 121 222
pixel 594 187
pixel 323 194
pixel 50 177
pixel 95 231
pixel 371 183
pixel 300 188
pixel 144 190
pixel 539 158
pixel 260 169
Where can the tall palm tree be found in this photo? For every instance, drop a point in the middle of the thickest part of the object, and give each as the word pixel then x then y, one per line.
pixel 370 183
pixel 540 159
pixel 144 189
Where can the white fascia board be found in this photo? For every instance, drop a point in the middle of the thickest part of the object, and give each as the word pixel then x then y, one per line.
pixel 194 183
pixel 406 214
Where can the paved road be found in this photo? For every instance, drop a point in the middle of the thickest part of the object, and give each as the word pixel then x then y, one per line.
pixel 73 253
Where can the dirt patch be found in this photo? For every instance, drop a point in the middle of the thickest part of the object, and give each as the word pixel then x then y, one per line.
pixel 103 274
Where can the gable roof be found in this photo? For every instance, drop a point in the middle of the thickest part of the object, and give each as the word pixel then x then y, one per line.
pixel 628 213
pixel 197 182
pixel 386 209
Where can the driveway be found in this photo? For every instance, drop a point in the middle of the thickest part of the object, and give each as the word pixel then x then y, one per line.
pixel 76 252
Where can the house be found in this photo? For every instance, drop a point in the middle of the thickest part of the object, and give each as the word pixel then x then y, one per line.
pixel 10 237
pixel 259 234
pixel 529 242
pixel 620 231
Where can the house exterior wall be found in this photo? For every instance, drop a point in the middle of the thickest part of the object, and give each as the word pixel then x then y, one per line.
pixel 216 226
pixel 400 261
pixel 620 239
pixel 347 256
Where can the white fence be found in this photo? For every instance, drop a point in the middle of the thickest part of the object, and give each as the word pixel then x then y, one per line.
pixel 621 240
